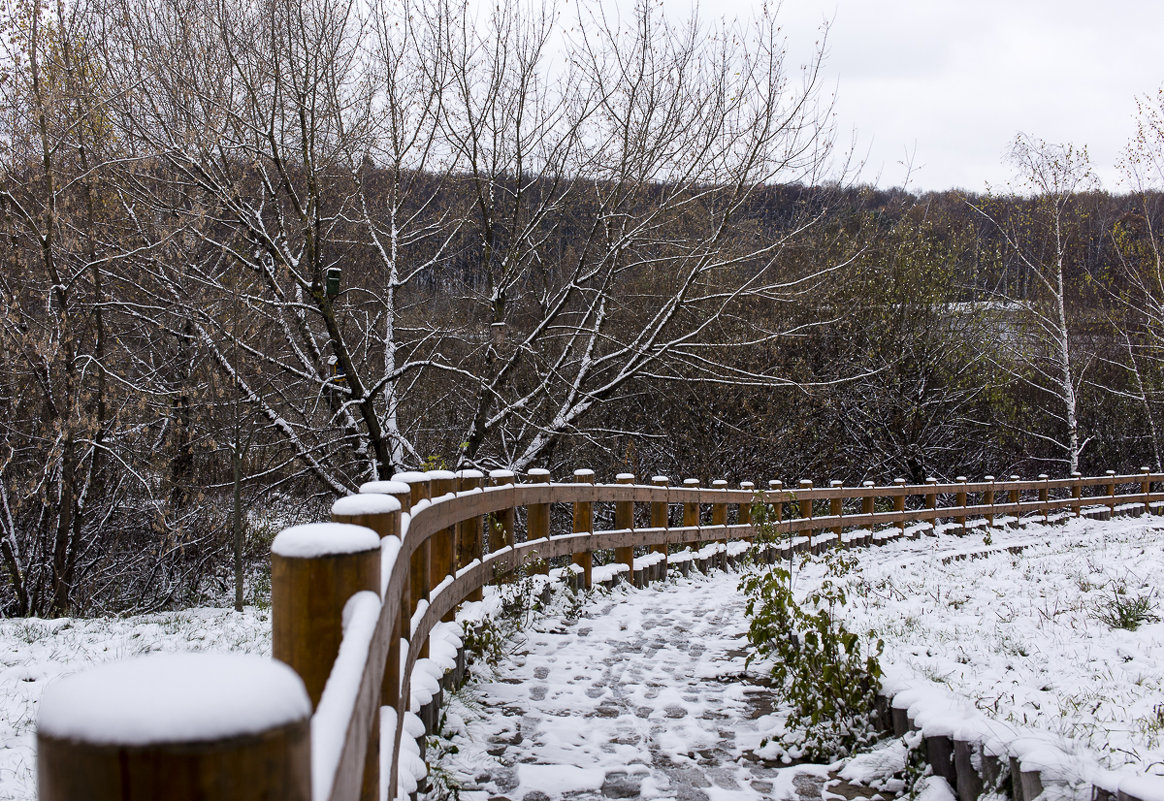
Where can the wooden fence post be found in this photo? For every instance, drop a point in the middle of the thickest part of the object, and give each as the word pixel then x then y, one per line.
pixel 418 566
pixel 502 525
pixel 1146 488
pixel 1111 491
pixel 442 545
pixel 1077 493
pixel 899 502
pixel 1044 496
pixel 837 510
pixel 1014 497
pixel 691 515
pixel 988 500
pixel 661 517
pixel 744 510
pixel 391 687
pixel 315 569
pixel 719 510
pixel 470 545
pixel 960 500
pixel 537 519
pixel 584 522
pixel 381 514
pixel 91 746
pixel 776 486
pixel 805 507
pixel 932 503
pixel 624 518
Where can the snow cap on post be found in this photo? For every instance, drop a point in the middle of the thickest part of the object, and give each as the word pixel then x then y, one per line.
pixel 380 513
pixel 383 488
pixel 171 726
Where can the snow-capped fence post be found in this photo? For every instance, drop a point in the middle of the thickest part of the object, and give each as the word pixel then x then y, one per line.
pixel 1014 499
pixel 837 510
pixel 537 515
pixel 469 540
pixel 442 545
pixel 503 523
pixel 661 517
pixel 932 501
pixel 960 500
pixel 418 565
pixel 1146 489
pixel 1044 497
pixel 381 513
pixel 988 500
pixel 183 727
pixel 691 514
pixel 719 510
pixel 624 518
pixel 584 523
pixel 805 507
pixel 744 510
pixel 1077 493
pixel 315 569
pixel 899 502
pixel 1111 491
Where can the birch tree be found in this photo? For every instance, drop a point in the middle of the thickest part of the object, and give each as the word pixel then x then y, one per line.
pixel 1042 238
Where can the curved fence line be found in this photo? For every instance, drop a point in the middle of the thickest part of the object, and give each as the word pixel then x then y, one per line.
pixel 352 613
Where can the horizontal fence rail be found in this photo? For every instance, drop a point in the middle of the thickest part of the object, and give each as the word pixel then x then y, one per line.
pixel 354 601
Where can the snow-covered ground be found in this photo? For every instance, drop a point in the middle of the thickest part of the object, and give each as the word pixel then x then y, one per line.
pixel 1023 649
pixel 34 652
pixel 643 691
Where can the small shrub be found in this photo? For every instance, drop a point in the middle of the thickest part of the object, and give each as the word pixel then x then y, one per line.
pixel 831 680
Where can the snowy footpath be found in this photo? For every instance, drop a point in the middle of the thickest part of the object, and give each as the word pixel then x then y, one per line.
pixel 636 694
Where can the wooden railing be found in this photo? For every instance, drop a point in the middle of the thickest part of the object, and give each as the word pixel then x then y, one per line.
pixel 354 601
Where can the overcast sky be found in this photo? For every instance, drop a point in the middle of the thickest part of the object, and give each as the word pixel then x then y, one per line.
pixel 951 82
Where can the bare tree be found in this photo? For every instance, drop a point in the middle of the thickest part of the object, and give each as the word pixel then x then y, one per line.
pixel 1042 236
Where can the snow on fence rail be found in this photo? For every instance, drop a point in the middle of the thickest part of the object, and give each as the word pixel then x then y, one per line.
pixel 353 604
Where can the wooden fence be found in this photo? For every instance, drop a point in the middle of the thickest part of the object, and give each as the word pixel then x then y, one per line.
pixel 352 613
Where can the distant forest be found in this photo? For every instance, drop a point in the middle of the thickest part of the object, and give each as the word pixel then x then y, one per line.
pixel 258 254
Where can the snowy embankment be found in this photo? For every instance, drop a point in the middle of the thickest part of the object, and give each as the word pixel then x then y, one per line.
pixel 34 652
pixel 1031 653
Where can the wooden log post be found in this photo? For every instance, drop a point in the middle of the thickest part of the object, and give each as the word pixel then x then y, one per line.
pixel 230 727
pixel 624 518
pixel 537 518
pixel 691 515
pixel 380 513
pixel 1044 496
pixel 805 506
pixel 960 500
pixel 583 523
pixel 868 506
pixel 719 517
pixel 502 523
pixel 403 495
pixel 661 516
pixel 1111 491
pixel 988 500
pixel 1013 496
pixel 899 503
pixel 418 566
pixel 315 569
pixel 442 545
pixel 1146 489
pixel 837 510
pixel 744 510
pixel 1077 493
pixel 932 502
pixel 470 542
